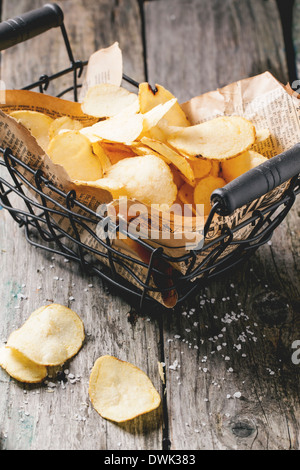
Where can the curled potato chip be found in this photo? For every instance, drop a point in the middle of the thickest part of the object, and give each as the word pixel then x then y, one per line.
pixel 147 179
pixel 218 139
pixel 120 391
pixel 152 117
pixel 204 189
pixel 120 128
pixel 20 367
pixel 37 123
pixel 237 166
pixel 74 152
pixel 107 100
pixel 171 156
pixel 51 335
pixel 102 155
pixel 149 99
pixel 63 123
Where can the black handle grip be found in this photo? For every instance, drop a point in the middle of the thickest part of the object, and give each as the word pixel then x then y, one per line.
pixel 29 25
pixel 258 181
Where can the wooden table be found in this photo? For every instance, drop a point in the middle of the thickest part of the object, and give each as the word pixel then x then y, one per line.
pixel 235 386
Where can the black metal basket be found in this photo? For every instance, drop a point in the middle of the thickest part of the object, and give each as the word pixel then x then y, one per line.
pixel 34 210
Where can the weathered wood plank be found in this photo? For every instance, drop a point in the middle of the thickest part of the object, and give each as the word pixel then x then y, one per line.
pixel 296 35
pixel 226 41
pixel 231 383
pixel 61 417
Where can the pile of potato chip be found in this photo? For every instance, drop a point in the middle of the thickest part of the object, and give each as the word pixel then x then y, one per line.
pixel 52 335
pixel 143 147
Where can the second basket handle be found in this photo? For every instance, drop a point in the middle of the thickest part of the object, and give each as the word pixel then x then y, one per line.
pixel 258 181
pixel 29 25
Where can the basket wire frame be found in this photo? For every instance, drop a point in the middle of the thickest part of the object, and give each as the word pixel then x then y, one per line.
pixel 35 215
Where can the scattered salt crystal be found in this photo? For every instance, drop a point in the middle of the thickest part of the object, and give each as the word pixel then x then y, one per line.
pixel 174 366
pixel 237 395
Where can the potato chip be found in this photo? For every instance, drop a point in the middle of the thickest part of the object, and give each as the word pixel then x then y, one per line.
pixel 64 123
pixel 74 152
pixel 237 166
pixel 147 179
pixel 121 128
pixel 172 157
pixel 201 167
pixel 99 151
pixel 186 194
pixel 20 367
pixel 37 123
pixel 215 168
pixel 115 188
pixel 117 151
pixel 107 100
pixel 204 189
pixel 149 99
pixel 120 391
pixel 220 138
pixel 152 117
pixel 51 335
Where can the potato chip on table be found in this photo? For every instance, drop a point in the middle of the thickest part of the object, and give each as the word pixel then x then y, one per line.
pixel 20 367
pixel 51 335
pixel 119 391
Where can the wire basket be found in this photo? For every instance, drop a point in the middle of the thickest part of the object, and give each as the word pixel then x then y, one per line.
pixel 29 203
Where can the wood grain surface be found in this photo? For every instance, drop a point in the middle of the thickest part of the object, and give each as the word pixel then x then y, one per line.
pixel 230 382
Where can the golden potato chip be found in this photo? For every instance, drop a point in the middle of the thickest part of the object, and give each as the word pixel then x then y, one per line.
pixel 74 152
pixel 20 367
pixel 215 168
pixel 88 133
pixel 121 128
pixel 51 335
pixel 201 167
pixel 37 123
pixel 204 189
pixel 117 151
pixel 107 100
pixel 152 117
pixel 120 391
pixel 237 166
pixel 115 188
pixel 186 194
pixel 220 138
pixel 149 99
pixel 172 157
pixel 147 179
pixel 102 155
pixel 64 123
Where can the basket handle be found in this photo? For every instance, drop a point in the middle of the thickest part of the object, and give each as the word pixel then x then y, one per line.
pixel 257 182
pixel 30 24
